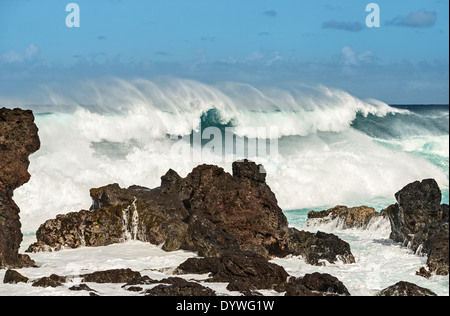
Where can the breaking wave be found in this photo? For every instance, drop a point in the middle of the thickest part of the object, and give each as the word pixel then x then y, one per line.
pixel 333 148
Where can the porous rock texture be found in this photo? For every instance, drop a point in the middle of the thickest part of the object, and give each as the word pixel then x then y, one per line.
pixel 18 140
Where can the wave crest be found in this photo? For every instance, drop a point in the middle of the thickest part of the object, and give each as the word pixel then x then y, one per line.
pixel 176 106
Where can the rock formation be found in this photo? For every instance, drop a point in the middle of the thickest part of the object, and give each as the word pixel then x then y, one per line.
pixel 18 139
pixel 14 277
pixel 241 269
pixel 355 217
pixel 406 289
pixel 210 211
pixel 180 287
pixel 419 221
pixel 316 284
pixel 248 272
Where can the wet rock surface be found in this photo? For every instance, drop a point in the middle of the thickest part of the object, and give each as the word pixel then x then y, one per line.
pixel 246 269
pixel 419 221
pixel 248 272
pixel 354 217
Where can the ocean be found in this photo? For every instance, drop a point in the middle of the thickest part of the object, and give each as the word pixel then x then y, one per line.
pixel 320 147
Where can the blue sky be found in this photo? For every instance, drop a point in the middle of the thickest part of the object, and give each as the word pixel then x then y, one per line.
pixel 255 41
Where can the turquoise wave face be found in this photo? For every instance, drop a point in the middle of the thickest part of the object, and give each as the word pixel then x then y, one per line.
pixel 419 121
pixel 422 132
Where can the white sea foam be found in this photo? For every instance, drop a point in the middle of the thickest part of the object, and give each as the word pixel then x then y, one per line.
pixel 429 145
pixel 319 169
pixel 148 259
pixel 379 225
pixel 380 262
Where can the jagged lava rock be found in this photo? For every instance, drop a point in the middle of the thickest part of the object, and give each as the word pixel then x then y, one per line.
pixel 52 281
pixel 354 217
pixel 116 215
pixel 419 221
pixel 406 289
pixel 418 205
pixel 210 211
pixel 14 277
pixel 18 140
pixel 251 270
pixel 112 276
pixel 316 284
pixel 239 204
pixel 247 272
pixel 319 247
pixel 180 288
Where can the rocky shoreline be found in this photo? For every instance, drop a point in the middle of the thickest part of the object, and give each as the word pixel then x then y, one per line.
pixel 418 221
pixel 232 221
pixel 210 212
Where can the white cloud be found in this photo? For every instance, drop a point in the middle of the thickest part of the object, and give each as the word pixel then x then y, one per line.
pixel 351 58
pixel 275 57
pixel 13 56
pixel 254 57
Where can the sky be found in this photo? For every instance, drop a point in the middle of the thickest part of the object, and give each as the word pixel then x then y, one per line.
pixel 260 42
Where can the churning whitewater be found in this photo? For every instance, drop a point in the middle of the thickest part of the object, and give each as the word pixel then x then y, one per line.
pixel 331 147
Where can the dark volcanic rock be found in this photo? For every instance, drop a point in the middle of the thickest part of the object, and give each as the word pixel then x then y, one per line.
pixel 315 248
pixel 112 276
pixel 51 281
pixel 248 272
pixel 434 240
pixel 85 228
pixel 324 283
pixel 242 269
pixel 210 211
pixel 139 280
pixel 14 277
pixel 423 272
pixel 244 288
pixel 81 287
pixel 316 284
pixel 117 215
pixel 419 221
pixel 18 139
pixel 180 287
pixel 251 269
pixel 355 217
pixel 406 289
pixel 207 240
pixel 237 205
pixel 252 172
pixel 418 204
pixel 199 266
